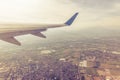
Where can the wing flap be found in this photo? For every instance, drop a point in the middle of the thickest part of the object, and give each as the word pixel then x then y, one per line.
pixel 39 35
pixel 11 40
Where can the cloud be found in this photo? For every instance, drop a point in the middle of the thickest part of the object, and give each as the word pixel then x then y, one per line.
pixel 92 3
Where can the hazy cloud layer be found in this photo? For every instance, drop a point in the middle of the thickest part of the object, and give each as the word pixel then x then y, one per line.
pixel 93 3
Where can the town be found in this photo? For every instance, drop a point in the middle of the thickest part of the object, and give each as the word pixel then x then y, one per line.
pixel 95 59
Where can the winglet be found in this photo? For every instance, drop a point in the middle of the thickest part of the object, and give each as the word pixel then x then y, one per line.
pixel 70 21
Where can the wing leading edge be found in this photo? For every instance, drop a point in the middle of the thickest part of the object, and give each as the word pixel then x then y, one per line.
pixel 9 35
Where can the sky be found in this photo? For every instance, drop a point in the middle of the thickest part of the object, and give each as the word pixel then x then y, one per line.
pixel 92 13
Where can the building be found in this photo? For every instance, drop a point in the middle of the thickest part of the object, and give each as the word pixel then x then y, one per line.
pixel 83 63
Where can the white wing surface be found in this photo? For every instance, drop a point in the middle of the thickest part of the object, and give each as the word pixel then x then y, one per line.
pixel 9 31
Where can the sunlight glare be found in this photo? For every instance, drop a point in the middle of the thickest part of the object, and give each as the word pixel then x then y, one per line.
pixel 17 9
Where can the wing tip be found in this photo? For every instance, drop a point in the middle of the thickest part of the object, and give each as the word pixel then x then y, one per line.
pixel 71 20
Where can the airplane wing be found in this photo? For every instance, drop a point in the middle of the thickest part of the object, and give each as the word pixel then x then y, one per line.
pixel 9 31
